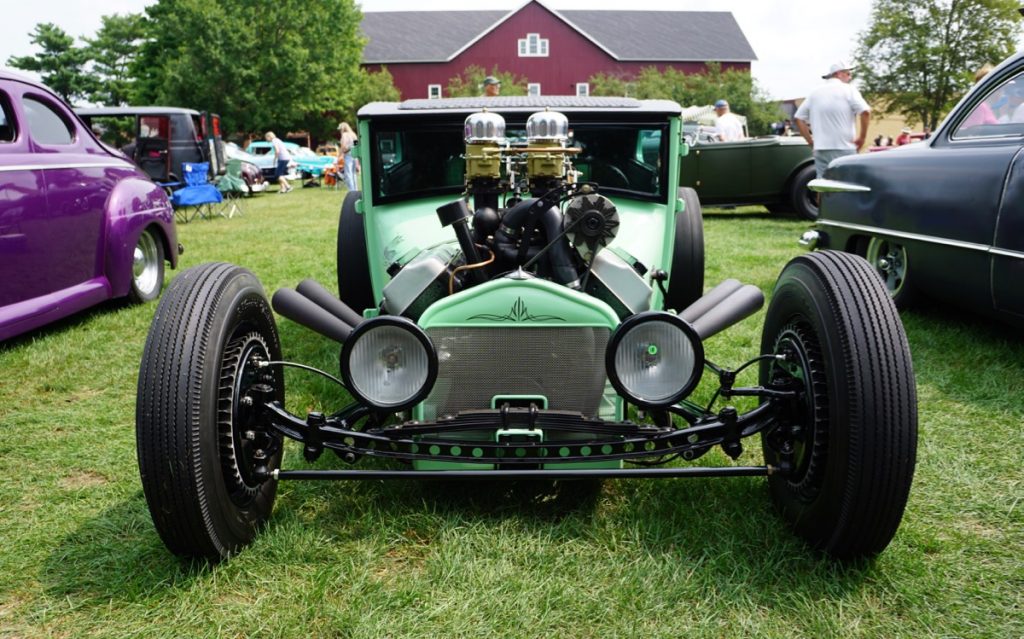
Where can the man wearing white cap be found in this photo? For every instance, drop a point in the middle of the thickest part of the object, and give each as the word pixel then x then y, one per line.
pixel 828 117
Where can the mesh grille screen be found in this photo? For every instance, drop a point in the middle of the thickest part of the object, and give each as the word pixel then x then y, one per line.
pixel 566 365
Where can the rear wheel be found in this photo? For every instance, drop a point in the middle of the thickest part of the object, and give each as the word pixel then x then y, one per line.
pixel 147 268
pixel 889 259
pixel 804 200
pixel 850 448
pixel 686 282
pixel 354 287
pixel 200 441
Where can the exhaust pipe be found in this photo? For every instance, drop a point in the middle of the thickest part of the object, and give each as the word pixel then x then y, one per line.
pixel 326 300
pixel 723 306
pixel 302 310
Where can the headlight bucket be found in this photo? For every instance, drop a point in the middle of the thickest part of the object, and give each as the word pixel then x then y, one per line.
pixel 654 359
pixel 389 362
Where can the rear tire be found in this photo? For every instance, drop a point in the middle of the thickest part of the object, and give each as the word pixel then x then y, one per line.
pixel 889 260
pixel 804 200
pixel 852 445
pixel 686 281
pixel 147 268
pixel 354 286
pixel 198 442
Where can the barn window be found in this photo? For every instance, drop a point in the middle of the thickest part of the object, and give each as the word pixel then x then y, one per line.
pixel 582 88
pixel 533 46
pixel 533 88
pixel 433 91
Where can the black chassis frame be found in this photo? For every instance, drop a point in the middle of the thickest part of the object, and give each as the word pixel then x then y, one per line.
pixel 779 416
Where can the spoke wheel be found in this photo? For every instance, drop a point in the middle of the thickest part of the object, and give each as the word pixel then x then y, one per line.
pixel 198 430
pixel 847 447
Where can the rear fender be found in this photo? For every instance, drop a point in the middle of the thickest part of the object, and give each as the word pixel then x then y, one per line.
pixel 134 205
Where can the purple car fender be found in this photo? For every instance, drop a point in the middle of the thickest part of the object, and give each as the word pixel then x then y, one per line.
pixel 135 204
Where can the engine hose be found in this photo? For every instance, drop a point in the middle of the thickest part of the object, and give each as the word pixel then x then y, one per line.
pixel 508 232
pixel 559 258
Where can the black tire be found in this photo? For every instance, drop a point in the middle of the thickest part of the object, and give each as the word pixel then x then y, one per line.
pixel 354 286
pixel 147 276
pixel 198 441
pixel 686 281
pixel 890 261
pixel 803 200
pixel 854 453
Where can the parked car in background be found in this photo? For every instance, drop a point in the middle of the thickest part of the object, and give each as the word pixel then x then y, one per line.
pixel 518 303
pixel 79 223
pixel 771 170
pixel 328 149
pixel 160 139
pixel 943 217
pixel 263 152
pixel 251 172
pixel 312 165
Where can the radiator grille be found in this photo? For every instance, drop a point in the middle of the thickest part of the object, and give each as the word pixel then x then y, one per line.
pixel 566 365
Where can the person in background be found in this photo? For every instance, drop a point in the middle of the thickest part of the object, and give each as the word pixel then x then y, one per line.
pixel 878 140
pixel 927 133
pixel 729 127
pixel 832 112
pixel 283 157
pixel 903 137
pixel 349 140
pixel 492 86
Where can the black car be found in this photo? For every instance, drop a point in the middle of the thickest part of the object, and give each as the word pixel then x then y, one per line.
pixel 943 217
pixel 159 139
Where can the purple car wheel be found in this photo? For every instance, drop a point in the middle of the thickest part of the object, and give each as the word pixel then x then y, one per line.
pixel 147 268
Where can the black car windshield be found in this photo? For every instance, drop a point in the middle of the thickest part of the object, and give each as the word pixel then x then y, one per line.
pixel 416 160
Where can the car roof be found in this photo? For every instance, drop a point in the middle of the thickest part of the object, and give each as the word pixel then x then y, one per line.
pixel 140 110
pixel 520 104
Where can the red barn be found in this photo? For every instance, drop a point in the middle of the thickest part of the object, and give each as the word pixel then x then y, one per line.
pixel 557 51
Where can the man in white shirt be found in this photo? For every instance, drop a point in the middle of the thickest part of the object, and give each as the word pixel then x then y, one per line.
pixel 828 117
pixel 728 125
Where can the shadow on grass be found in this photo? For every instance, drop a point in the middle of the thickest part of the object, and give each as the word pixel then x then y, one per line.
pixel 117 555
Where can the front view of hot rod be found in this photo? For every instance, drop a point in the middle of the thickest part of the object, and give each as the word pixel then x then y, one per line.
pixel 521 294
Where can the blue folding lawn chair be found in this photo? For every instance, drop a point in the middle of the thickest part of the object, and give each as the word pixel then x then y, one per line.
pixel 198 196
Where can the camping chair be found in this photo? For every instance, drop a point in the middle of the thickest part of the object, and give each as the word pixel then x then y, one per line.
pixel 233 187
pixel 197 197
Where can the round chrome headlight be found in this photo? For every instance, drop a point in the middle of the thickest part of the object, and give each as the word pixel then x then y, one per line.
pixel 654 359
pixel 389 362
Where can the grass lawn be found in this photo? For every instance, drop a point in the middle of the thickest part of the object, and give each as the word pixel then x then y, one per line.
pixel 643 558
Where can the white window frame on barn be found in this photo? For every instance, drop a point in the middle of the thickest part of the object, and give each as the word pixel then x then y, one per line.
pixel 533 46
pixel 434 91
pixel 533 88
pixel 582 88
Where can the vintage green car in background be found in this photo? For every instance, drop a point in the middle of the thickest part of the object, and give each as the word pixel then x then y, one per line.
pixel 771 170
pixel 520 296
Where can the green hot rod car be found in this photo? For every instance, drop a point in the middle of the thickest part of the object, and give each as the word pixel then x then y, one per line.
pixel 521 295
pixel 771 170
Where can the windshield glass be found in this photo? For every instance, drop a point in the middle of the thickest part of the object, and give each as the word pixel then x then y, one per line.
pixel 416 160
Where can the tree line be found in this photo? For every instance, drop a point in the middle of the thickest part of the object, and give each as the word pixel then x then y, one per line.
pixel 295 65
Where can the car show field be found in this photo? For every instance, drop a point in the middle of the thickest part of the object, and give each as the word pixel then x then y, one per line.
pixel 702 557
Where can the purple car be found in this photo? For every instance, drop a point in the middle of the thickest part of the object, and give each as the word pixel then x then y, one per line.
pixel 79 224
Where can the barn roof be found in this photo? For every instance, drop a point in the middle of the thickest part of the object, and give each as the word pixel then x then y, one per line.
pixel 653 36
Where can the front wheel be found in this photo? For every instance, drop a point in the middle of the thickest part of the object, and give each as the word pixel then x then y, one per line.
pixel 201 443
pixel 848 450
pixel 147 268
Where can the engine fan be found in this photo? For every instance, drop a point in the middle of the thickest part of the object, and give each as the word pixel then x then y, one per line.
pixel 594 222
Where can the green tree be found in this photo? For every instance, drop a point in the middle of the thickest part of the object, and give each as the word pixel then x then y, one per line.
pixel 470 82
pixel 917 57
pixel 735 85
pixel 61 64
pixel 282 65
pixel 113 52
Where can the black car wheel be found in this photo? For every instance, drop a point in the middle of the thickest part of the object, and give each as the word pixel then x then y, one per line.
pixel 686 282
pixel 354 287
pixel 889 259
pixel 200 441
pixel 804 200
pixel 851 446
pixel 147 268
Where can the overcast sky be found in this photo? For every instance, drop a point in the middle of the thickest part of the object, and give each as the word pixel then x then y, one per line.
pixel 795 40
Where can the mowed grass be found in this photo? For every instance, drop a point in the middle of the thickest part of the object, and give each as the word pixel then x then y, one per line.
pixel 705 557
